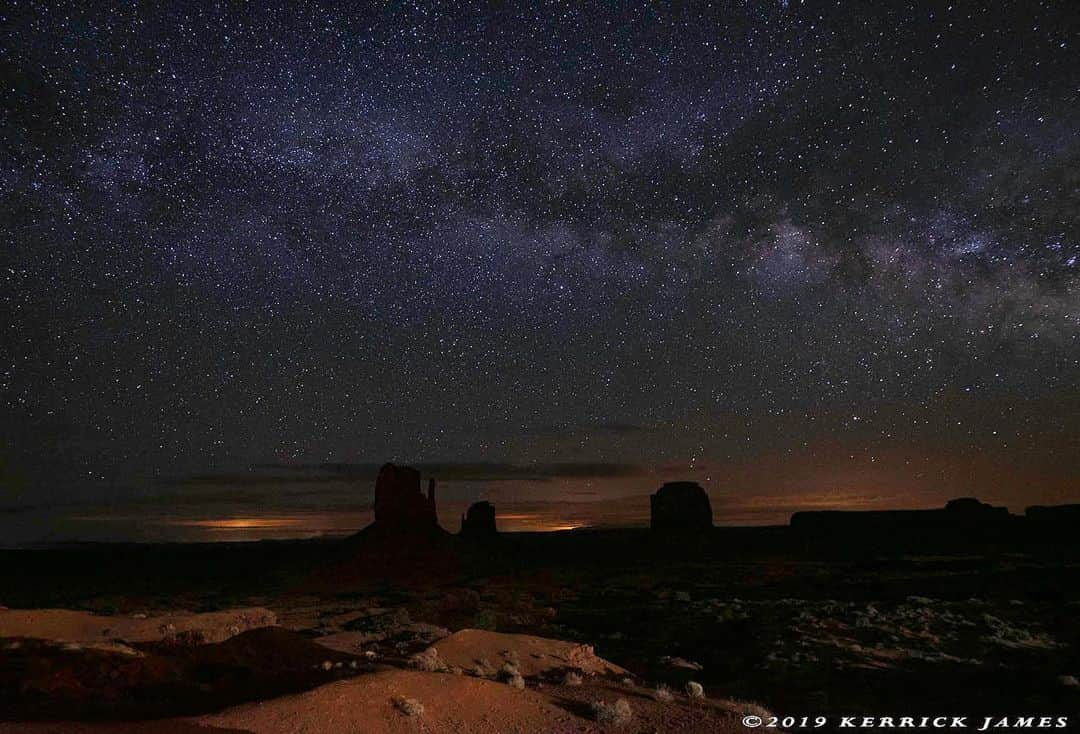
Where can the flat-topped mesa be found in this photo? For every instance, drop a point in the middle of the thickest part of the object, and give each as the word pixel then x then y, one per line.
pixel 1053 519
pixel 681 506
pixel 399 502
pixel 479 521
pixel 970 507
pixel 964 513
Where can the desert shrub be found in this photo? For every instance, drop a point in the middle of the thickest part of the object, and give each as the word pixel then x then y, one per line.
pixel 483 669
pixel 612 713
pixel 190 638
pixel 571 679
pixel 409 706
pixel 745 708
pixel 428 661
pixel 484 620
pixel 628 682
pixel 509 673
pixel 694 690
pixel 663 694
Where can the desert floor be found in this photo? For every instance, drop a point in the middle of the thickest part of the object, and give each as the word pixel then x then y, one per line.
pixel 531 634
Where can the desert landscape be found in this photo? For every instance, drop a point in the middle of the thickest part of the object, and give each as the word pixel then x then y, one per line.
pixel 539 367
pixel 682 627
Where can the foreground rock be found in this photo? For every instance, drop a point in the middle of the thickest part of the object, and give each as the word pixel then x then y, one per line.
pixel 42 679
pixel 69 625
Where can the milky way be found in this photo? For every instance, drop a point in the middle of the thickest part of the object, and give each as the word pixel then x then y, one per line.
pixel 670 238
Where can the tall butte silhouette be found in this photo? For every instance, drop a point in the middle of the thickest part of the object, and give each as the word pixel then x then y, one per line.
pixel 403 544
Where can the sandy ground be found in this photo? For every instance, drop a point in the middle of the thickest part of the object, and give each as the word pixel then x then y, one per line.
pixel 451 704
pixel 368 704
pixel 390 699
pixel 169 726
pixel 533 656
pixel 75 626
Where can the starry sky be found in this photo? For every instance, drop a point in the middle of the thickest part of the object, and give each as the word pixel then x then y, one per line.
pixel 810 254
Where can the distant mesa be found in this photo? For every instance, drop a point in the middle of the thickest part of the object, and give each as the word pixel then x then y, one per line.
pixel 479 521
pixel 961 521
pixel 965 512
pixel 973 508
pixel 681 506
pixel 1053 518
pixel 399 503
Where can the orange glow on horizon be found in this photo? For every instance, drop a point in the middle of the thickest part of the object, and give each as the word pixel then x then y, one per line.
pixel 243 523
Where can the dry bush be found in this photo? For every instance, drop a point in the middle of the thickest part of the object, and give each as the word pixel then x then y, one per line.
pixel 748 708
pixel 483 669
pixel 612 713
pixel 663 694
pixel 428 661
pixel 694 690
pixel 571 679
pixel 409 706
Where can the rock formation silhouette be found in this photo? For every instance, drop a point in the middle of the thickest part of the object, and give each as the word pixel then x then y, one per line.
pixel 478 522
pixel 399 504
pixel 404 545
pixel 969 507
pixel 963 520
pixel 1050 521
pixel 958 514
pixel 681 506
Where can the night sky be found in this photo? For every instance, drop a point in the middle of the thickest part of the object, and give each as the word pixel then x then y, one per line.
pixel 810 254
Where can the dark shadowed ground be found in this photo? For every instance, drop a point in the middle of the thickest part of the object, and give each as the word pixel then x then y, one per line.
pixel 755 614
